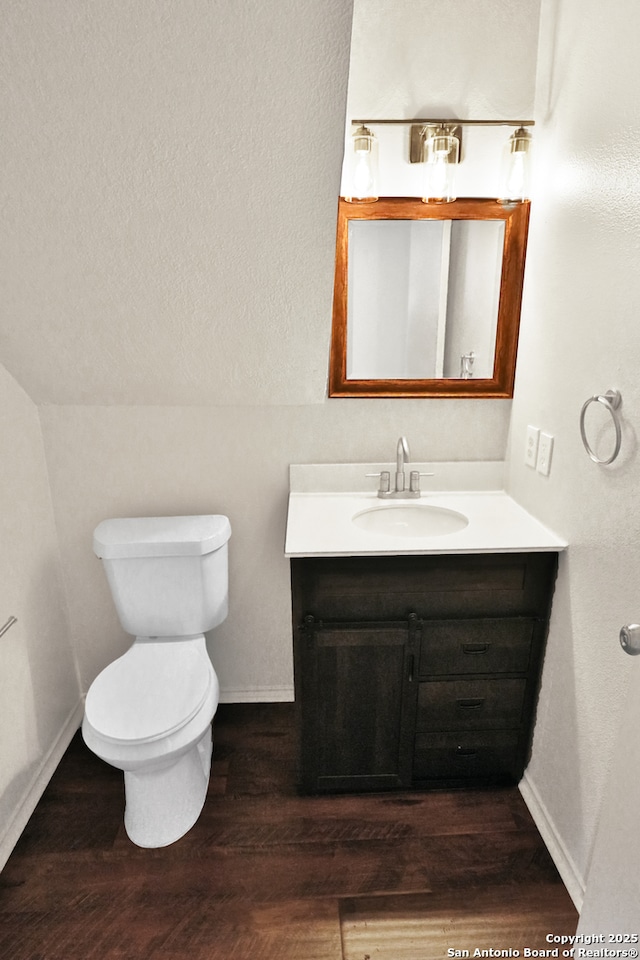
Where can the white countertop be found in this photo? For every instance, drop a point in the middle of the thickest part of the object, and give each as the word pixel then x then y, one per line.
pixel 319 519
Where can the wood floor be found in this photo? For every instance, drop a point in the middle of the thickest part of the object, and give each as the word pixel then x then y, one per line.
pixel 268 875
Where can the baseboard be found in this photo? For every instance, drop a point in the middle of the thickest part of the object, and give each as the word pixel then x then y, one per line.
pixel 258 695
pixel 36 788
pixel 553 841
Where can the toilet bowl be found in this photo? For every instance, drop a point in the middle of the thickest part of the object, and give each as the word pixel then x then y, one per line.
pixel 149 712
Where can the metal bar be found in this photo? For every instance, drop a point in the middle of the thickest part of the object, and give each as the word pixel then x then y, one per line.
pixel 10 622
pixel 459 123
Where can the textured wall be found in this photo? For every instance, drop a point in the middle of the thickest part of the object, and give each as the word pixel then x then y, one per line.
pixel 580 336
pixel 170 175
pixel 467 58
pixel 39 690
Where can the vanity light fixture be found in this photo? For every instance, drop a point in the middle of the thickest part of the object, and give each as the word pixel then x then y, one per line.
pixel 436 143
pixel 364 166
pixel 441 154
pixel 515 168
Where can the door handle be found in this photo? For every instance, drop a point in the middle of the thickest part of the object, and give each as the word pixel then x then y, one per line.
pixel 630 639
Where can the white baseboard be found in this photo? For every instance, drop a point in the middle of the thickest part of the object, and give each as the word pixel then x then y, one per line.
pixel 258 695
pixel 553 841
pixel 36 788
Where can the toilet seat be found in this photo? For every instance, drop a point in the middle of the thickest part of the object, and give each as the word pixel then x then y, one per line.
pixel 150 692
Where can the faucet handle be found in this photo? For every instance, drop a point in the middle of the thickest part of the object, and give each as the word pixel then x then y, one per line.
pixel 414 480
pixel 385 480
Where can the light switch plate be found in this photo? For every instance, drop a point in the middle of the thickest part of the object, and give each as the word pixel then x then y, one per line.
pixel 531 448
pixel 545 450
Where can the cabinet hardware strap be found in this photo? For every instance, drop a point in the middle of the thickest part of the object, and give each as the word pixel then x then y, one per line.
pixel 10 622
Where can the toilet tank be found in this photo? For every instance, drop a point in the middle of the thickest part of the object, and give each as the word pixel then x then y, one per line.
pixel 169 576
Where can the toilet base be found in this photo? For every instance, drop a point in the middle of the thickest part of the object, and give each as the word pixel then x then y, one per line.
pixel 162 804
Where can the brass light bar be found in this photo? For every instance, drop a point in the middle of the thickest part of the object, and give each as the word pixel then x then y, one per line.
pixel 419 128
pixel 451 122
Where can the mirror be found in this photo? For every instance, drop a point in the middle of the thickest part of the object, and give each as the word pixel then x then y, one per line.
pixel 427 298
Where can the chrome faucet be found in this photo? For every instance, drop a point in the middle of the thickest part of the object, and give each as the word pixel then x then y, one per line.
pixel 402 458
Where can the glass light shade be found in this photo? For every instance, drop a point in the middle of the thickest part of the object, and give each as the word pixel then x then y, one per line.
pixel 514 183
pixel 441 154
pixel 363 173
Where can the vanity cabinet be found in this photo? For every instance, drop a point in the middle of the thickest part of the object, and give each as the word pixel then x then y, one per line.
pixel 417 671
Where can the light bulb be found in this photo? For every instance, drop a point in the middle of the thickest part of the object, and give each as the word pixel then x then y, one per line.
pixel 364 167
pixel 363 177
pixel 441 157
pixel 515 168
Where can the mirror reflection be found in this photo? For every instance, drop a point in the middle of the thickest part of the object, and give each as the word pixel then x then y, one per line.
pixel 427 298
pixel 422 298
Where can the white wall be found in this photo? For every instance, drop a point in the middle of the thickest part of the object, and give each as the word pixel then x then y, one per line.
pixel 39 689
pixel 580 336
pixel 170 175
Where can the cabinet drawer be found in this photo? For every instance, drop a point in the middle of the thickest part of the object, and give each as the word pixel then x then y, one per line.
pixel 470 704
pixel 491 754
pixel 436 587
pixel 476 646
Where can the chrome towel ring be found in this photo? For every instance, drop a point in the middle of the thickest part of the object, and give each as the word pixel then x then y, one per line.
pixel 611 401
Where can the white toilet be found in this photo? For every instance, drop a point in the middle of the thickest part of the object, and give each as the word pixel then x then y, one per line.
pixel 149 712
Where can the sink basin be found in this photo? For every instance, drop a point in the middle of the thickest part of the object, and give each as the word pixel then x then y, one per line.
pixel 410 520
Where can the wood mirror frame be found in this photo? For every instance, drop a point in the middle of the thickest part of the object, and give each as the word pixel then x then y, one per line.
pixel 516 224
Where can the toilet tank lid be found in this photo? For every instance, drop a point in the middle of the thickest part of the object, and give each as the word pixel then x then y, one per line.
pixel 160 536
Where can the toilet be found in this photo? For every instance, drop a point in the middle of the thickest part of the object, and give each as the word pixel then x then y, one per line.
pixel 149 712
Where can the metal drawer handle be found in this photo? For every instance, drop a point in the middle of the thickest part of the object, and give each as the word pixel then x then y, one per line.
pixel 471 703
pixel 474 648
pixel 466 752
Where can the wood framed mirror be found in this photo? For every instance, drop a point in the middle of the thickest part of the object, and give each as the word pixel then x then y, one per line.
pixel 427 298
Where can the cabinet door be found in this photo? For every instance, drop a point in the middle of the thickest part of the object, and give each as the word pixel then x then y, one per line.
pixel 359 702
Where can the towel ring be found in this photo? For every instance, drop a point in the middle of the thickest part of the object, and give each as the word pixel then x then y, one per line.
pixel 611 401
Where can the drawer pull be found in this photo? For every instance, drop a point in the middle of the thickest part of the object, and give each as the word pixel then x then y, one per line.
pixel 471 703
pixel 474 648
pixel 466 752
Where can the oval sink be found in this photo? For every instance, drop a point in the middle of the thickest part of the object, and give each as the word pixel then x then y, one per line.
pixel 410 520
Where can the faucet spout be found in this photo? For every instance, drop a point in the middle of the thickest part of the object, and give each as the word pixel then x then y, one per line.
pixel 402 457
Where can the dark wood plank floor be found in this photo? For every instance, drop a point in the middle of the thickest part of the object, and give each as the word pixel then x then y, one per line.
pixel 268 874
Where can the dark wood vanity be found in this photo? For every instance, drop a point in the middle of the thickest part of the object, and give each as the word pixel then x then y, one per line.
pixel 417 671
